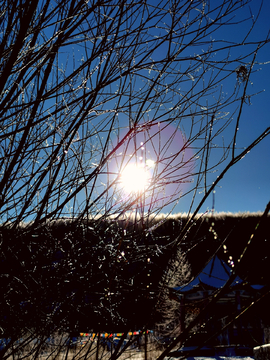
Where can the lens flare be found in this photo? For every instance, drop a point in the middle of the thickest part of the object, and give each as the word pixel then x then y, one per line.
pixel 135 178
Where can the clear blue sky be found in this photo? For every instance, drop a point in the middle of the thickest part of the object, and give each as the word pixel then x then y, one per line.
pixel 246 187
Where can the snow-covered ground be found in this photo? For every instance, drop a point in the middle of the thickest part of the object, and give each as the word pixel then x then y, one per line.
pixel 221 358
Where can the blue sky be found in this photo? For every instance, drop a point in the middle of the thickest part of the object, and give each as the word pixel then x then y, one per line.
pixel 246 187
pixel 184 91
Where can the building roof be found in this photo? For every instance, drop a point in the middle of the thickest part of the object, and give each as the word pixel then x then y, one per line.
pixel 215 275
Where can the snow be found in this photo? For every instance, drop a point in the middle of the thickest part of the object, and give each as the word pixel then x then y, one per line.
pixel 220 358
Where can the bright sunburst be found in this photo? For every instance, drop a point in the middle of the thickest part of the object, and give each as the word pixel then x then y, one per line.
pixel 135 178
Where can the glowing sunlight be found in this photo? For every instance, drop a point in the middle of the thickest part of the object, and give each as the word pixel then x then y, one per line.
pixel 135 178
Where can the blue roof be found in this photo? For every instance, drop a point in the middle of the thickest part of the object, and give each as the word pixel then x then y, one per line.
pixel 215 274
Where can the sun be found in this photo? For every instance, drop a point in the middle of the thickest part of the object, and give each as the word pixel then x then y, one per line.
pixel 135 178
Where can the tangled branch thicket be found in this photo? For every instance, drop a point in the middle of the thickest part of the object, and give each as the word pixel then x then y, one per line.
pixel 89 91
